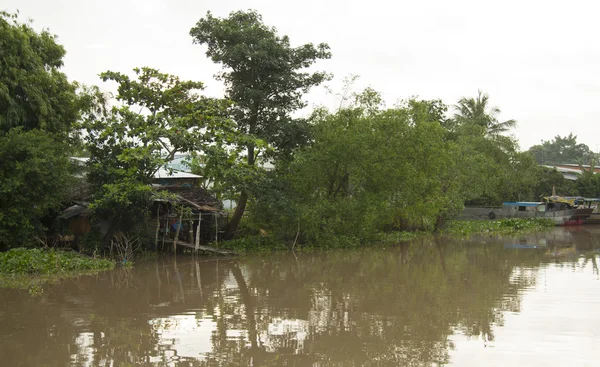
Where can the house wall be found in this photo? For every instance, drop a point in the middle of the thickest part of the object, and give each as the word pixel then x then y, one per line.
pixel 472 213
pixel 79 225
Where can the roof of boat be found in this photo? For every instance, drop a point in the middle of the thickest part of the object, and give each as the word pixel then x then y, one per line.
pixel 522 203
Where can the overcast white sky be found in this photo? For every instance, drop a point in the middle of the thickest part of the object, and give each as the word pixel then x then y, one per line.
pixel 538 60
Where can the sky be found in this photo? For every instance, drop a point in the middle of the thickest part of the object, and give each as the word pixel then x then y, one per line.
pixel 538 60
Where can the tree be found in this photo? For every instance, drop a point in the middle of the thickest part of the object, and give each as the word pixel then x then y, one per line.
pixel 34 178
pixel 588 183
pixel 38 105
pixel 371 170
pixel 562 150
pixel 265 77
pixel 34 93
pixel 158 116
pixel 478 112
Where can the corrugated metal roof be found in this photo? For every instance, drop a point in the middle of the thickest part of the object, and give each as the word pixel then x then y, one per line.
pixel 165 173
pixel 161 173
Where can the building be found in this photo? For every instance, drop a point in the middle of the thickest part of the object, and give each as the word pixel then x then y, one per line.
pixel 177 173
pixel 572 171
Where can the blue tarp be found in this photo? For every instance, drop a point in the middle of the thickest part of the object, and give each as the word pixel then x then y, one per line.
pixel 520 203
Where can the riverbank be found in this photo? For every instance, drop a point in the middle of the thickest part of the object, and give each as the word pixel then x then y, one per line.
pixel 31 268
pixel 504 226
pixel 456 228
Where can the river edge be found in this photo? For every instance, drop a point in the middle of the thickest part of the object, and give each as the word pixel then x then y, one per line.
pixel 32 278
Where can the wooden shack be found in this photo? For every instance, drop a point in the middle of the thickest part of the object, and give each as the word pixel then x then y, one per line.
pixel 190 217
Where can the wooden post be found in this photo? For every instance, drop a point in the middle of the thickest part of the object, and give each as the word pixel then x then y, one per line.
pixel 157 228
pixel 177 232
pixel 162 247
pixel 198 231
pixel 216 231
pixel 191 229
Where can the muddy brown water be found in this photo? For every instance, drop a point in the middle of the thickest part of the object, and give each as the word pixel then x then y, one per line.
pixel 513 301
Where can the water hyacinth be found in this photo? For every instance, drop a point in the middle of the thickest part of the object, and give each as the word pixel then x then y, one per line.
pixel 43 261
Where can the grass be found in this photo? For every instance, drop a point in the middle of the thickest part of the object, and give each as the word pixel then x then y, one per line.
pixel 31 268
pixel 504 226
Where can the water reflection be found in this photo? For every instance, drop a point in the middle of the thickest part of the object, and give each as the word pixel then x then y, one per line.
pixel 429 302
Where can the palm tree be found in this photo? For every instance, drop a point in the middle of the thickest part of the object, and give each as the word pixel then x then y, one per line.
pixel 477 111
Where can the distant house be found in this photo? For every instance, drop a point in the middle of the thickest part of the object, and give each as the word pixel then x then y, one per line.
pixel 572 171
pixel 171 177
pixel 177 173
pixel 203 207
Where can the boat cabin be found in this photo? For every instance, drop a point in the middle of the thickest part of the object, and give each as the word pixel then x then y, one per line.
pixel 522 209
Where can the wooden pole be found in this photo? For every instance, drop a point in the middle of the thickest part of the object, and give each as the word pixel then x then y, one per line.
pixel 216 231
pixel 198 231
pixel 177 232
pixel 162 247
pixel 191 229
pixel 157 228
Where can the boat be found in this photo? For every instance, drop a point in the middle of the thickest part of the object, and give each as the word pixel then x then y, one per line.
pixel 592 203
pixel 562 210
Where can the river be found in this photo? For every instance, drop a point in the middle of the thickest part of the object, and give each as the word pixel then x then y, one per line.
pixel 512 301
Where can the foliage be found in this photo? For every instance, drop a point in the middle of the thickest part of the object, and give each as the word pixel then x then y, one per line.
pixel 562 150
pixel 372 170
pixel 170 117
pixel 477 112
pixel 265 78
pixel 549 178
pixel 588 183
pixel 34 177
pixel 34 94
pixel 509 174
pixel 158 116
pixel 44 261
pixel 498 227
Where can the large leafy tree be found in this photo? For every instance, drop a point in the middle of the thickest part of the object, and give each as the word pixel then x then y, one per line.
pixel 478 112
pixel 38 105
pixel 156 116
pixel 370 170
pixel 265 78
pixel 562 150
pixel 34 177
pixel 34 93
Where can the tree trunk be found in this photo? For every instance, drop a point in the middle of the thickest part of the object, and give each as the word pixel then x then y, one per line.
pixel 241 204
pixel 237 216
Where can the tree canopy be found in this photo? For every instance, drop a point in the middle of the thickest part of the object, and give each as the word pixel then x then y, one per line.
pixel 265 78
pixel 34 180
pixel 478 112
pixel 562 150
pixel 34 93
pixel 156 116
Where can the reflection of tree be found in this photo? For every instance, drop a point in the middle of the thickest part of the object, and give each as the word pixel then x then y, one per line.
pixel 368 307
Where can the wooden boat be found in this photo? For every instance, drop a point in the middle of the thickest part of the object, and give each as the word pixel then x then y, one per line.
pixel 592 203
